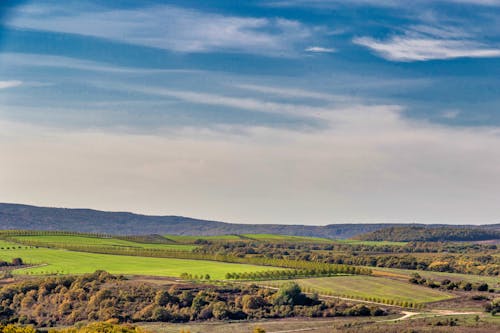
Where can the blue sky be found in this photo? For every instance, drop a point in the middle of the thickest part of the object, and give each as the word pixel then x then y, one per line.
pixel 285 111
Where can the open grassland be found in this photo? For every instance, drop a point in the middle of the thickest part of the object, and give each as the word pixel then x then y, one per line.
pixel 54 240
pixel 286 238
pixel 52 261
pixel 492 281
pixel 362 242
pixel 370 288
pixel 187 239
pixel 247 237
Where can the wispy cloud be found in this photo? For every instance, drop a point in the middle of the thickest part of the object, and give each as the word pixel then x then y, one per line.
pixel 377 3
pixel 10 84
pixel 169 27
pixel 401 48
pixel 43 60
pixel 294 93
pixel 319 49
pixel 242 103
pixel 427 42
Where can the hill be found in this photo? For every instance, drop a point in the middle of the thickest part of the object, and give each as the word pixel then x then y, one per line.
pixel 16 216
pixel 428 234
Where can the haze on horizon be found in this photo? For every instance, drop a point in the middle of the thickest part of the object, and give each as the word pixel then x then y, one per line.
pixel 283 111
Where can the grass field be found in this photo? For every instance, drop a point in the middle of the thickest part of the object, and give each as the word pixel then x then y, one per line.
pixel 258 237
pixel 286 238
pixel 69 262
pixel 493 281
pixel 186 239
pixel 363 287
pixel 361 242
pixel 99 242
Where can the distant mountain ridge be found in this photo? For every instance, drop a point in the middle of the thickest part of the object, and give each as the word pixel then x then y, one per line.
pixel 18 216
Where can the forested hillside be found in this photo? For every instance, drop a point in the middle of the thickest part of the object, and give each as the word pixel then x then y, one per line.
pixel 428 234
pixel 15 216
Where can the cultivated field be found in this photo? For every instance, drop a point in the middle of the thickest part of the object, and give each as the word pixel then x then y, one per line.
pixel 57 261
pixel 493 281
pixel 55 240
pixel 369 288
pixel 186 239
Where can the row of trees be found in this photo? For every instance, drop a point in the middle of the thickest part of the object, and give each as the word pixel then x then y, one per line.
pixel 294 273
pixel 10 233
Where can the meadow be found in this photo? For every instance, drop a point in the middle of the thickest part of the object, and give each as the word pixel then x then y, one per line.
pixel 369 288
pixel 187 239
pixel 286 238
pixel 58 261
pixel 493 281
pixel 55 240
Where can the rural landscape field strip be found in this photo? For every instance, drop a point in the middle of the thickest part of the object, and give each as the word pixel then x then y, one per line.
pixel 99 242
pixel 314 268
pixel 493 281
pixel 52 261
pixel 380 290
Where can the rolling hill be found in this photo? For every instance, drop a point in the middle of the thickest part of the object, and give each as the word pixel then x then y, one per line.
pixel 17 216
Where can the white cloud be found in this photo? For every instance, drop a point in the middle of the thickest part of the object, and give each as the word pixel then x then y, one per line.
pixel 43 60
pixel 242 103
pixel 319 49
pixel 401 48
pixel 10 84
pixel 369 165
pixel 430 41
pixel 169 27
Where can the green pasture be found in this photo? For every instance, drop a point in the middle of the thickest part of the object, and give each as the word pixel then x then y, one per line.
pixel 50 261
pixel 375 243
pixel 286 238
pixel 99 242
pixel 369 287
pixel 187 239
pixel 493 281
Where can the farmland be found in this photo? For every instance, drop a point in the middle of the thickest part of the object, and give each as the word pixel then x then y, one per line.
pixel 254 266
pixel 186 239
pixel 59 261
pixel 406 273
pixel 59 240
pixel 371 288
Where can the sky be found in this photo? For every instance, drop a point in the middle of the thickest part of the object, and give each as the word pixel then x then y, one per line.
pixel 266 111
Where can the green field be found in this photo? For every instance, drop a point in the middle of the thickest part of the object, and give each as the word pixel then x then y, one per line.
pixel 286 238
pixel 54 240
pixel 187 239
pixel 493 281
pixel 366 287
pixel 361 242
pixel 70 262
